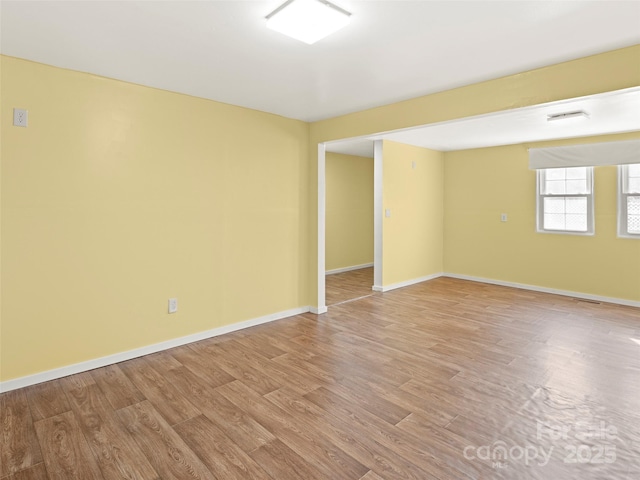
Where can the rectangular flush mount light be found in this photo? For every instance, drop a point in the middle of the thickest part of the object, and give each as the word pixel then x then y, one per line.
pixel 307 20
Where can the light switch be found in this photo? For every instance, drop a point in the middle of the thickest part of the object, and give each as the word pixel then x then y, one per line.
pixel 387 212
pixel 173 305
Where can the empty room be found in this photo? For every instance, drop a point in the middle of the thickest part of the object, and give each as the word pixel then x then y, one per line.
pixel 319 240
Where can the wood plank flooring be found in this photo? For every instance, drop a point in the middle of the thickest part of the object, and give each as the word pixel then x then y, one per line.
pixel 346 286
pixel 447 379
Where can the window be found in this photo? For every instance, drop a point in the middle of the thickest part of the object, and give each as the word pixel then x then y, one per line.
pixel 629 200
pixel 565 200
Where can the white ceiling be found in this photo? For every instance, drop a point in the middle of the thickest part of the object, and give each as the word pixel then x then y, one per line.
pixel 612 112
pixel 393 50
pixel 361 147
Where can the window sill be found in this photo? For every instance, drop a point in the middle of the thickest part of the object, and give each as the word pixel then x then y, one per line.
pixel 565 232
pixel 629 236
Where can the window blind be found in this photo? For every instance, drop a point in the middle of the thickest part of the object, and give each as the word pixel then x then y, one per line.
pixel 585 155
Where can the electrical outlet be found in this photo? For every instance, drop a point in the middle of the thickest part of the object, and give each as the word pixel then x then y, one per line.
pixel 173 305
pixel 20 117
pixel 503 217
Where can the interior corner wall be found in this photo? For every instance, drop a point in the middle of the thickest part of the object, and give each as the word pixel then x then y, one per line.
pixel 118 196
pixel 349 211
pixel 481 184
pixel 412 191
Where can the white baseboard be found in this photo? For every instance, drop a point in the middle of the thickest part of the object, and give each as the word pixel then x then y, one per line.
pixel 318 310
pixel 535 288
pixel 348 269
pixel 139 352
pixel 406 283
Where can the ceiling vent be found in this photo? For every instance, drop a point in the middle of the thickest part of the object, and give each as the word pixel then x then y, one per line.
pixel 566 115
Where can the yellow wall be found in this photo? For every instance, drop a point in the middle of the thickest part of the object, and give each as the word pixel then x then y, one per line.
pixel 481 184
pixel 117 197
pixel 349 211
pixel 412 236
pixel 585 76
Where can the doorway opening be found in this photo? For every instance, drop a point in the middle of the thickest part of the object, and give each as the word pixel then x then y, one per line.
pixel 349 248
pixel 612 112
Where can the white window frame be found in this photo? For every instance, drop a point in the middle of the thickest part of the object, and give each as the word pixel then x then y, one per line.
pixel 541 173
pixel 623 230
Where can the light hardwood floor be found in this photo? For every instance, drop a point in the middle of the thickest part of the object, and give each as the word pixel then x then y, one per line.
pixel 347 286
pixel 447 379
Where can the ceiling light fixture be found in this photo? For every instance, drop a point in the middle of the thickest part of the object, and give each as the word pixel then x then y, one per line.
pixel 308 20
pixel 566 115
